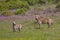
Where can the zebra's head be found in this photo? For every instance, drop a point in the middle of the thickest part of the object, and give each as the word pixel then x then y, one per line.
pixel 14 23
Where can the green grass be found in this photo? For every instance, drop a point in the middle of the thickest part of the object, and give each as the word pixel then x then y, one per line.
pixel 29 31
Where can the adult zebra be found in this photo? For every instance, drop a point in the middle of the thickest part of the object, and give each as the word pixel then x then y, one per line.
pixel 41 20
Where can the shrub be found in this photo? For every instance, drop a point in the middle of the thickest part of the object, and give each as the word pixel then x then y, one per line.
pixel 3 6
pixel 17 4
pixel 58 7
pixel 20 11
pixel 7 13
pixel 12 5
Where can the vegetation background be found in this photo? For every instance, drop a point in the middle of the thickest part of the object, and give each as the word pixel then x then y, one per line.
pixel 22 11
pixel 22 6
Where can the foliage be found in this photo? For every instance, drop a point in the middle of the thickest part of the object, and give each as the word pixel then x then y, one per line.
pixel 17 4
pixel 7 13
pixel 32 2
pixel 3 6
pixel 58 5
pixel 24 4
pixel 20 11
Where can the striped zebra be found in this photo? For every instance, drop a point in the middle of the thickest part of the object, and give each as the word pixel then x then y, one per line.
pixel 16 26
pixel 41 20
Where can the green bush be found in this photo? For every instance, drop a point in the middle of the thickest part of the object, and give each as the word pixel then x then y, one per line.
pixel 32 2
pixel 12 5
pixel 7 13
pixel 25 4
pixel 58 5
pixel 20 11
pixel 17 4
pixel 3 6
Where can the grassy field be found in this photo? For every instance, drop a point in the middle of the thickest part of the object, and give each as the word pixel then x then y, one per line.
pixel 29 31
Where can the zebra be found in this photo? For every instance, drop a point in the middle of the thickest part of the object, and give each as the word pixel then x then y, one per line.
pixel 16 26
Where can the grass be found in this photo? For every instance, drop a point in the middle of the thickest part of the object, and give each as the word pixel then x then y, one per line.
pixel 29 31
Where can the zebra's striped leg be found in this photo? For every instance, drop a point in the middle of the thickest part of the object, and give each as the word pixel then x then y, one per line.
pixel 39 24
pixel 19 29
pixel 14 30
pixel 49 24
